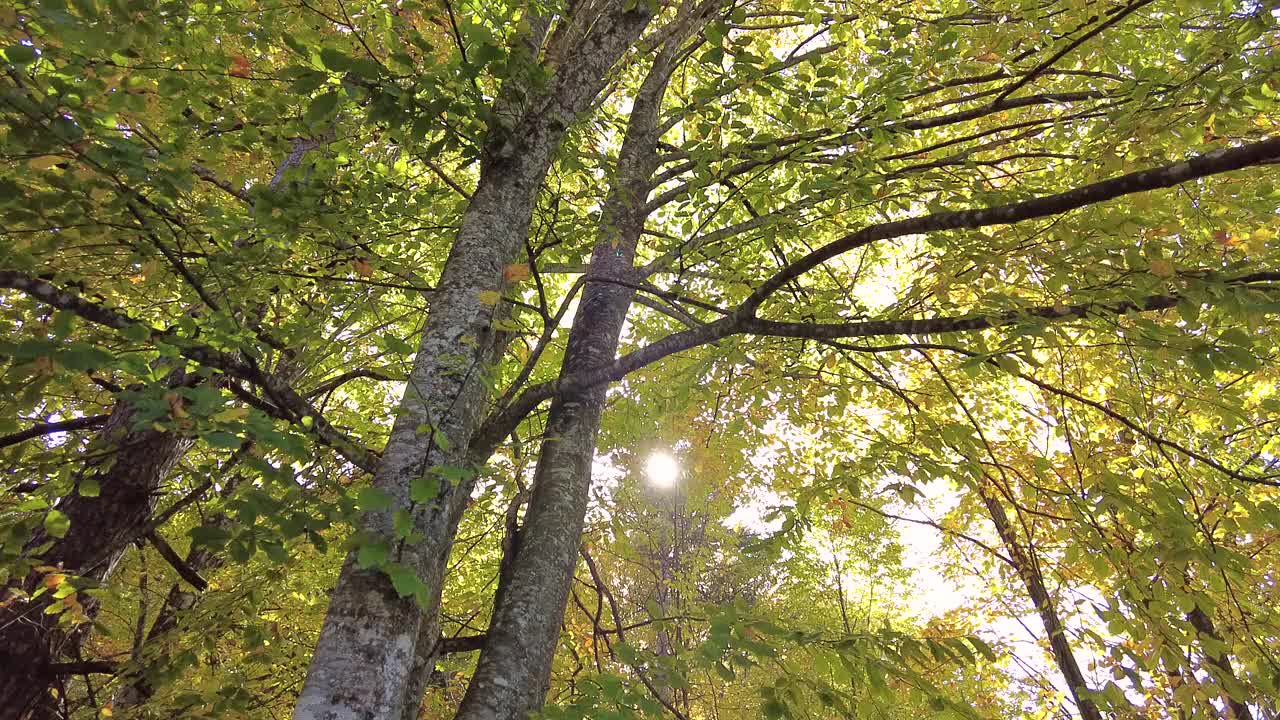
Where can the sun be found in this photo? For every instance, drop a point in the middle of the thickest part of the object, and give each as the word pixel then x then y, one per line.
pixel 662 469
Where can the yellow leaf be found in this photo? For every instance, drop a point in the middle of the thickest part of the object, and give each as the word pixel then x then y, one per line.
pixel 231 414
pixel 177 407
pixel 43 162
pixel 490 297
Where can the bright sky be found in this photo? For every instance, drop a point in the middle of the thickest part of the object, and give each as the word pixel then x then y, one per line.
pixel 933 590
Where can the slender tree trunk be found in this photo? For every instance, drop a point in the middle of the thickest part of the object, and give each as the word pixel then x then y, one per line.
pixel 138 688
pixel 514 669
pixel 101 529
pixel 1029 571
pixel 1221 662
pixel 368 663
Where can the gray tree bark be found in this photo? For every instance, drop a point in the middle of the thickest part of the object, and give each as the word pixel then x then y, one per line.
pixel 512 676
pixel 368 663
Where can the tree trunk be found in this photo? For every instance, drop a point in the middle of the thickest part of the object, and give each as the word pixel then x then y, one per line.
pixel 101 529
pixel 368 663
pixel 1221 662
pixel 1059 646
pixel 512 676
pixel 137 687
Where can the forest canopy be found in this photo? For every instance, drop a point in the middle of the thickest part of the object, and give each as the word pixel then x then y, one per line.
pixel 692 359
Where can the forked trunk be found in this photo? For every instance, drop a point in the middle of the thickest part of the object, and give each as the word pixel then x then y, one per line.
pixel 511 679
pixel 367 663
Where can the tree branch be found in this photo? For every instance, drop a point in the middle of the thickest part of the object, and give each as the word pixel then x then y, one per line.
pixel 86 667
pixel 245 369
pixel 42 429
pixel 339 380
pixel 187 572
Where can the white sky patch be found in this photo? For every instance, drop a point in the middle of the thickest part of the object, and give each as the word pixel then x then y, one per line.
pixel 756 504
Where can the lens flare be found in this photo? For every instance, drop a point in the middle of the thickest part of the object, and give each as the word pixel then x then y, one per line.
pixel 662 469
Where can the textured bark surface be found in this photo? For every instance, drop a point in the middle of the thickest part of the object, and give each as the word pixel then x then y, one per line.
pixel 128 473
pixel 367 663
pixel 512 676
pixel 364 663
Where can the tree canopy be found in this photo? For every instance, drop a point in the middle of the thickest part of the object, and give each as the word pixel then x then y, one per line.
pixel 639 358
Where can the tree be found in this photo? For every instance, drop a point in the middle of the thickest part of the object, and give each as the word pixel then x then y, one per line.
pixel 1018 260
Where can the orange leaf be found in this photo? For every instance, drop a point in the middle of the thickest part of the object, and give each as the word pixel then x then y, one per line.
pixel 988 57
pixel 1162 268
pixel 362 267
pixel 515 272
pixel 176 409
pixel 240 67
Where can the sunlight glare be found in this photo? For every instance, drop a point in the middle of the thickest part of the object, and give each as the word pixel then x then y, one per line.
pixel 662 469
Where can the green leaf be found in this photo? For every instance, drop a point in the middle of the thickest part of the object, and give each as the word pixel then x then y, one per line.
pixel 441 440
pixel 242 548
pixel 405 581
pixel 20 54
pixel 402 521
pixel 209 536
pixel 321 109
pixel 33 503
pixel 371 499
pixel 276 552
pixel 334 60
pixel 372 555
pixel 56 523
pixel 222 439
pixel 982 647
pixel 136 332
pixel 626 653
pixel 454 474
pixel 84 357
pixel 424 488
pixel 89 487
